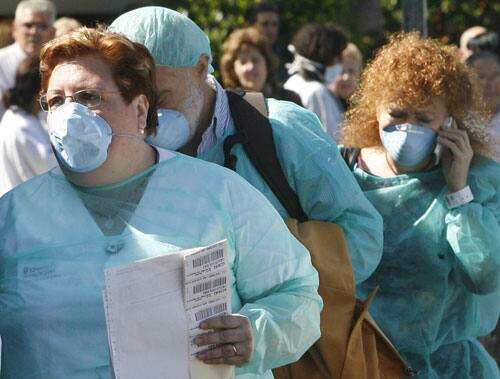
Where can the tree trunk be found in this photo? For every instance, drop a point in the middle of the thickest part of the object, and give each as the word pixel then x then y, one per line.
pixel 370 15
pixel 415 16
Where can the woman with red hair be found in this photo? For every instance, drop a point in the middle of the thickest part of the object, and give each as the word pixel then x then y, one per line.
pixel 419 151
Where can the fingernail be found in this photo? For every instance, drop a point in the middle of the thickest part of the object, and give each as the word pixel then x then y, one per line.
pixel 198 340
pixel 201 356
pixel 203 325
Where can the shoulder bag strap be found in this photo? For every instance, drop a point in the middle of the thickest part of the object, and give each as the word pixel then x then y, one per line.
pixel 255 133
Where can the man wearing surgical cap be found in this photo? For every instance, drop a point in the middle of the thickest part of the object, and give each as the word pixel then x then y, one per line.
pixel 195 119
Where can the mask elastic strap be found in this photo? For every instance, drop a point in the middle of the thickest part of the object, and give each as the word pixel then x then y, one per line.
pixel 128 135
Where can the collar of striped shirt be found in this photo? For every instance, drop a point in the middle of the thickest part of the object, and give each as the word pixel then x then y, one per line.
pixel 220 118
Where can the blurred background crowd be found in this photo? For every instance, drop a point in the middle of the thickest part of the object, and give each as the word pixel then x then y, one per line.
pixel 306 51
pixel 279 48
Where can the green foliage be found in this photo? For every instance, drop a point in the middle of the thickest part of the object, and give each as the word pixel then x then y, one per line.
pixel 298 12
pixel 219 17
pixel 447 18
pixel 216 17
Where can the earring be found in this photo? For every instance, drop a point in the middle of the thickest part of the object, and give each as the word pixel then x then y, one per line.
pixel 141 131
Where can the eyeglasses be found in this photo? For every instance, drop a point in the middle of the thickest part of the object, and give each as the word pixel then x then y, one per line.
pixel 88 97
pixel 38 25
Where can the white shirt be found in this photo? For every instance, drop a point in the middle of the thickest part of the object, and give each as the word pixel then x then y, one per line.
pixel 10 58
pixel 316 97
pixel 25 149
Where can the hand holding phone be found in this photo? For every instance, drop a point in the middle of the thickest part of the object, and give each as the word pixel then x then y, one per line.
pixel 438 151
pixel 456 154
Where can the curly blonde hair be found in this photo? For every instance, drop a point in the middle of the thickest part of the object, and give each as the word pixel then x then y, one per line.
pixel 413 70
pixel 238 41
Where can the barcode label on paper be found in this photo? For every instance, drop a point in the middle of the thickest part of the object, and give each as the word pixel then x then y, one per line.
pixel 206 286
pixel 207 292
pixel 205 259
pixel 209 312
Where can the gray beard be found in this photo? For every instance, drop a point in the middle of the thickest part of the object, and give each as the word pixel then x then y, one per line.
pixel 193 109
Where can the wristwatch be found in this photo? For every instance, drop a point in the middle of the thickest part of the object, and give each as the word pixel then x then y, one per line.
pixel 456 199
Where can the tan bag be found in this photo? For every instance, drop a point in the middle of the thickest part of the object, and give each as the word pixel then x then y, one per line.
pixel 351 345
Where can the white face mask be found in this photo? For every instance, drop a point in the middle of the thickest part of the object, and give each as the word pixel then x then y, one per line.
pixel 172 132
pixel 81 137
pixel 408 144
pixel 333 72
pixel 177 126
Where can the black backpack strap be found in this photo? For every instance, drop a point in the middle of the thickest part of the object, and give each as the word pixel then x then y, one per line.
pixel 229 142
pixel 255 133
pixel 350 156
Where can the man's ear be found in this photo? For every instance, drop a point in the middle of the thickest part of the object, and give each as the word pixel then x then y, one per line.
pixel 201 68
pixel 141 106
pixel 14 29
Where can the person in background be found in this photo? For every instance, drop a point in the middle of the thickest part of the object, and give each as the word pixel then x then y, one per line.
pixel 64 25
pixel 342 78
pixel 486 65
pixel 266 18
pixel 32 27
pixel 316 47
pixel 345 84
pixel 311 162
pixel 248 63
pixel 488 41
pixel 24 141
pixel 116 199
pixel 464 52
pixel 416 126
pixel 6 33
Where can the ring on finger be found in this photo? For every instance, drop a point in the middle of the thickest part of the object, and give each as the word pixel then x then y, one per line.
pixel 234 349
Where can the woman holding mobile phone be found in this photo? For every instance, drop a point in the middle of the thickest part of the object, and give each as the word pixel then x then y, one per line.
pixel 439 274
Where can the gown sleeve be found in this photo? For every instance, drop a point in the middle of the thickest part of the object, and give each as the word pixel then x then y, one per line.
pixel 326 187
pixel 275 280
pixel 473 230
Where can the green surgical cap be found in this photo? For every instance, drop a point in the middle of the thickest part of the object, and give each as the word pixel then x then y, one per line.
pixel 172 38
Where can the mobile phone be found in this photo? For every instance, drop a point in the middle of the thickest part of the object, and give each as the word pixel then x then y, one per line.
pixel 438 150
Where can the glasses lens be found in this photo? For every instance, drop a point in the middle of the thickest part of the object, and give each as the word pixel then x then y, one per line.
pixel 54 101
pixel 43 103
pixel 89 98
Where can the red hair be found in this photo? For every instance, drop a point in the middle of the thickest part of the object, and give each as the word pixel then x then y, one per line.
pixel 130 63
pixel 414 70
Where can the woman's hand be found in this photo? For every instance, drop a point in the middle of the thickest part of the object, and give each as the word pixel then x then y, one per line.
pixel 234 336
pixel 457 158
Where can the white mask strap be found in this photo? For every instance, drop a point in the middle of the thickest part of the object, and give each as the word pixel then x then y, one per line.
pixel 129 135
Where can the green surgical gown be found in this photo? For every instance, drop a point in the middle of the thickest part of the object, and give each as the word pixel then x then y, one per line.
pixel 439 274
pixel 315 170
pixel 57 239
